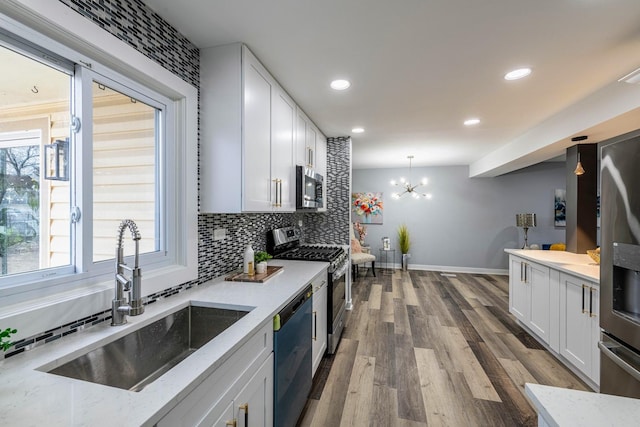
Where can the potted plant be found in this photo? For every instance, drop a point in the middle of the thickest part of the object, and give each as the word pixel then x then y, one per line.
pixel 5 338
pixel 261 258
pixel 405 244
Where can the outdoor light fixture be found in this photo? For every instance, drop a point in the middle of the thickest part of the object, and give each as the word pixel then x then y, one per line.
pixel 56 157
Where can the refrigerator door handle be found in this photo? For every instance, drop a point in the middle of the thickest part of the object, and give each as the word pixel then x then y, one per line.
pixel 607 347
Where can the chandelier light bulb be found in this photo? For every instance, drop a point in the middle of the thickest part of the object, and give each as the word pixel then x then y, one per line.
pixel 408 188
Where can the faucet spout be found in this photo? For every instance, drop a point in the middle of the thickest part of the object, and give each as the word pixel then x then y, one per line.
pixel 120 308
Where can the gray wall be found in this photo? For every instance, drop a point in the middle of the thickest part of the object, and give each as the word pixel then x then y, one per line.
pixel 469 221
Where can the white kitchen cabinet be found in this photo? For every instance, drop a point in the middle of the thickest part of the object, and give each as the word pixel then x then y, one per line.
pixel 283 171
pixel 529 296
pixel 305 140
pixel 253 406
pixel 245 378
pixel 319 331
pixel 321 165
pixel 247 135
pixel 579 324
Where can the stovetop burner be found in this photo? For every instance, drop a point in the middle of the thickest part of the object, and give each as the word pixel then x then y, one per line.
pixel 284 243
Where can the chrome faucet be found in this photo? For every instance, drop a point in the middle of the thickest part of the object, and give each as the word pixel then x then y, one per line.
pixel 119 306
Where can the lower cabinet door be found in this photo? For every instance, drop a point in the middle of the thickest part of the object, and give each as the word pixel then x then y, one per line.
pixel 254 403
pixel 226 419
pixel 319 343
pixel 518 290
pixel 575 323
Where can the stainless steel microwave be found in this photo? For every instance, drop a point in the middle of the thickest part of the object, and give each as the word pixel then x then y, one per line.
pixel 309 191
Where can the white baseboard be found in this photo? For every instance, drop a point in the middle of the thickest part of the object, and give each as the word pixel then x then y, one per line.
pixel 456 269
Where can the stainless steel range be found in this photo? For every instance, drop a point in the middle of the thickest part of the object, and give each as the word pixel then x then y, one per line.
pixel 284 243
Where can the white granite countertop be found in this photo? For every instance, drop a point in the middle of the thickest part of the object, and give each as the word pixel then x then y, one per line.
pixel 29 397
pixel 564 407
pixel 580 265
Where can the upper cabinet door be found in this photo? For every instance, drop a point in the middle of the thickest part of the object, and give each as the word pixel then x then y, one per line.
pixel 321 165
pixel 301 155
pixel 311 145
pixel 283 176
pixel 258 87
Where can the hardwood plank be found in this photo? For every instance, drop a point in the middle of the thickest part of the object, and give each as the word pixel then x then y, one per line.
pixel 465 362
pixel 544 367
pixel 375 297
pixel 384 407
pixel 331 403
pixel 410 403
pixel 401 318
pixel 360 393
pixel 387 307
pixel 515 330
pixel 498 347
pixel 437 391
pixel 410 297
pixel 515 404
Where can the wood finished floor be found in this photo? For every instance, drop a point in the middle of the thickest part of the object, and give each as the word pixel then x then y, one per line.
pixel 420 348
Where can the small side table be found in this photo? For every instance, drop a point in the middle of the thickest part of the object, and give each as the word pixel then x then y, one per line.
pixel 384 257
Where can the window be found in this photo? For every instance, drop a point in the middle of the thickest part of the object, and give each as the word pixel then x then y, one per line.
pixel 124 150
pixel 36 105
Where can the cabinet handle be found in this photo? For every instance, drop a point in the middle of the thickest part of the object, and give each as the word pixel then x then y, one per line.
pixel 526 268
pixel 278 188
pixel 591 302
pixel 232 423
pixel 245 407
pixel 521 272
pixel 583 310
pixel 315 325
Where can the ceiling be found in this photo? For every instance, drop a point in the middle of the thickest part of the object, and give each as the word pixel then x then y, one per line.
pixel 419 68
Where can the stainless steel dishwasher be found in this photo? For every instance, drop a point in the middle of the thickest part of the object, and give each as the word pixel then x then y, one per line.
pixel 292 352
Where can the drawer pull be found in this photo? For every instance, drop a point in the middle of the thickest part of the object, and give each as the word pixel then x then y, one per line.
pixel 245 407
pixel 315 325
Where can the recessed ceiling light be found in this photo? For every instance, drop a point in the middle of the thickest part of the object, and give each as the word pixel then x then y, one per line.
pixel 357 130
pixel 340 84
pixel 517 74
pixel 471 122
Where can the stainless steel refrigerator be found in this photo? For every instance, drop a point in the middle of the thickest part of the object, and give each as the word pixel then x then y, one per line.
pixel 620 268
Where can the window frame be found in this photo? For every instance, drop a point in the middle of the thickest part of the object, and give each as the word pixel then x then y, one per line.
pixel 53 27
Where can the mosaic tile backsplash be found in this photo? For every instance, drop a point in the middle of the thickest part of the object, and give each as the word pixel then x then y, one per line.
pixel 140 27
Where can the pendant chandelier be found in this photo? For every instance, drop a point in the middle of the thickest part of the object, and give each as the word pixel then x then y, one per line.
pixel 408 188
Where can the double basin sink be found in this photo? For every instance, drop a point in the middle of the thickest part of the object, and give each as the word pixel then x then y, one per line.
pixel 140 357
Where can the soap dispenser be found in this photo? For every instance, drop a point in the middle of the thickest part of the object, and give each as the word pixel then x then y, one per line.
pixel 249 260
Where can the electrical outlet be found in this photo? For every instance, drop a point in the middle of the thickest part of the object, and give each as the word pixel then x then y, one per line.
pixel 219 233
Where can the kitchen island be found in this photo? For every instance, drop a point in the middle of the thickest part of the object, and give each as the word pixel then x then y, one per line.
pixel 31 397
pixel 559 407
pixel 555 296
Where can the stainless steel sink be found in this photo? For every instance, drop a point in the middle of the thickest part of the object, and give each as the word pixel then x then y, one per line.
pixel 137 359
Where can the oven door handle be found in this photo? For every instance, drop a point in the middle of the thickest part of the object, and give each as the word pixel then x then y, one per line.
pixel 340 272
pixel 607 347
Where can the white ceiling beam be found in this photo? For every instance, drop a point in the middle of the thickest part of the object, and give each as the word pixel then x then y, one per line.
pixel 608 112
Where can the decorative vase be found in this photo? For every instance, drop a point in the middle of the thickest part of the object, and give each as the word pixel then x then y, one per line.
pixel 405 261
pixel 261 267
